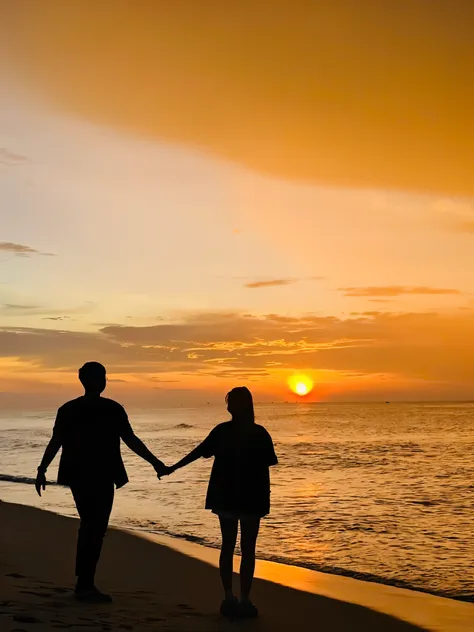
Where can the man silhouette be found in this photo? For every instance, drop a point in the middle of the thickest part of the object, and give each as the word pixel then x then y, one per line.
pixel 89 429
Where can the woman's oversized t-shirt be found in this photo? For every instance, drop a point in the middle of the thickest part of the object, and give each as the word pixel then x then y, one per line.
pixel 240 478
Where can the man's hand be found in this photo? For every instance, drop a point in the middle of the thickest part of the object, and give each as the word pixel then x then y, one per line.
pixel 161 469
pixel 40 481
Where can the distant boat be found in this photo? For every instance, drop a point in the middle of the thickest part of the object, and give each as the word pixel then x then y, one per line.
pixel 387 402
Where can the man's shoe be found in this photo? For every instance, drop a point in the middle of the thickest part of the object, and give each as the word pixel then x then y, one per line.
pixel 91 595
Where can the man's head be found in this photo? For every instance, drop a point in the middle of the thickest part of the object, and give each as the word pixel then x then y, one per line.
pixel 93 377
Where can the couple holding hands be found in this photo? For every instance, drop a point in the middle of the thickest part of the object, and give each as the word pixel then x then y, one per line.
pixel 89 430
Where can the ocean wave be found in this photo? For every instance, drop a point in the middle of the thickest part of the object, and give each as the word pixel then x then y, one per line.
pixel 168 427
pixel 25 480
pixel 426 503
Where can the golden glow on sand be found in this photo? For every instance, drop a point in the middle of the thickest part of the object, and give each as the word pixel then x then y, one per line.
pixel 300 384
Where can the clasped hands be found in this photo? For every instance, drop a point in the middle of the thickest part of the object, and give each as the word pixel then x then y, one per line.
pixel 163 470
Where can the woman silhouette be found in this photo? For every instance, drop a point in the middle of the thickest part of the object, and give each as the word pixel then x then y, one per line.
pixel 239 490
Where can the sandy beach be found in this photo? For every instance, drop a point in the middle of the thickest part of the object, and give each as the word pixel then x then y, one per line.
pixel 159 587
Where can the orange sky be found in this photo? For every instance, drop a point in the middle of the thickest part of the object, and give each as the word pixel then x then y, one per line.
pixel 230 192
pixel 355 93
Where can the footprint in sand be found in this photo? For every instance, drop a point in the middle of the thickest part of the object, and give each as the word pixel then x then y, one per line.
pixel 25 618
pixel 60 591
pixel 36 594
pixel 153 619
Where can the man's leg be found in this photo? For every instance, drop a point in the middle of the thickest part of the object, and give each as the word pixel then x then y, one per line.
pixel 94 504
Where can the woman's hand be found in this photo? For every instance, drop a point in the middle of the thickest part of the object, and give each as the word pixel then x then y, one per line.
pixel 162 470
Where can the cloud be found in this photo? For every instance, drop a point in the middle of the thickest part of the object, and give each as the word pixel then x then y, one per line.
pixel 426 347
pixel 272 283
pixel 278 282
pixel 19 308
pixel 47 313
pixel 380 300
pixel 20 250
pixel 456 214
pixel 359 120
pixel 244 374
pixel 397 290
pixel 466 227
pixel 11 159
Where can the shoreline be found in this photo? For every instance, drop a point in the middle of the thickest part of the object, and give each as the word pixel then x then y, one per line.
pixel 199 541
pixel 147 572
pixel 284 561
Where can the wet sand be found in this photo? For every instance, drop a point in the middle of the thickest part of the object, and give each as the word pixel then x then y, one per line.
pixel 163 584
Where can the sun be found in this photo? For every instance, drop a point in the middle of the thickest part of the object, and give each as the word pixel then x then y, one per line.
pixel 301 389
pixel 300 384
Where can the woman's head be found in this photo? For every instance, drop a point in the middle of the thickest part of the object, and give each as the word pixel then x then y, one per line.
pixel 240 404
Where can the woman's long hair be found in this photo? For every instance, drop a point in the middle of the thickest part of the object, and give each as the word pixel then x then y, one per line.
pixel 240 405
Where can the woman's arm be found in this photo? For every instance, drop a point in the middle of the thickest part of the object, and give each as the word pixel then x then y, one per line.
pixel 205 449
pixel 194 455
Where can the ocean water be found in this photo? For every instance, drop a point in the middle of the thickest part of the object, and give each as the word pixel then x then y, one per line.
pixel 383 492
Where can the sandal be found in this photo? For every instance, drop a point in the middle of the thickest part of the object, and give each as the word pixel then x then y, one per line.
pixel 229 608
pixel 247 610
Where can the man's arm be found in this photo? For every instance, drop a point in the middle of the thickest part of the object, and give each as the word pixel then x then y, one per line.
pixel 51 450
pixel 136 445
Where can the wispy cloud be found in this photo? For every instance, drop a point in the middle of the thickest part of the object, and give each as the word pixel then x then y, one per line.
pixel 11 159
pixel 277 282
pixel 396 290
pixel 456 214
pixel 466 226
pixel 47 313
pixel 19 308
pixel 19 250
pixel 271 283
pixel 380 300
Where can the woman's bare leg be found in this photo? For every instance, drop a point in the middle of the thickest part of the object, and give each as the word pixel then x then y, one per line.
pixel 248 540
pixel 229 527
